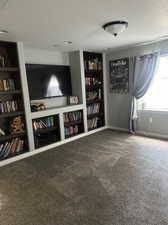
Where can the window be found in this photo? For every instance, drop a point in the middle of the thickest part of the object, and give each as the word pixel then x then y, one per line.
pixel 156 98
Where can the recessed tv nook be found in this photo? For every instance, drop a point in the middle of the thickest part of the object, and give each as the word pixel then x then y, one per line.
pixel 48 81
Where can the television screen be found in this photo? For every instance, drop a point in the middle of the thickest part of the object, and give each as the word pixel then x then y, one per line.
pixel 46 81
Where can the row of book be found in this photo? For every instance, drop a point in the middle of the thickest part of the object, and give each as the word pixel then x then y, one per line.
pixel 92 123
pixel 8 106
pixel 12 147
pixel 94 64
pixel 94 108
pixel 7 85
pixel 72 130
pixel 91 81
pixel 43 123
pixel 72 116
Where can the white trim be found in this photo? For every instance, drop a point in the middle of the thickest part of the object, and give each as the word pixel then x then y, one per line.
pixel 150 134
pixel 105 87
pixel 118 128
pixel 48 147
pixel 57 110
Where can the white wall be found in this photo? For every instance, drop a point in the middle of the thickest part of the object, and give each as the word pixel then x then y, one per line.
pixel 119 104
pixel 40 56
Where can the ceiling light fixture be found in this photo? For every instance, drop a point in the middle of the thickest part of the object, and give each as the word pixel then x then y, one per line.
pixel 115 27
pixel 3 31
pixel 68 42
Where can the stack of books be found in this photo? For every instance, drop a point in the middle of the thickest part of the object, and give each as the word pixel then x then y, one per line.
pixel 43 123
pixel 8 106
pixel 11 147
pixel 92 123
pixel 94 108
pixel 91 81
pixel 72 116
pixel 72 130
pixel 7 85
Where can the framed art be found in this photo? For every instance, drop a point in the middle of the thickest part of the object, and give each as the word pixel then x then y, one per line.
pixel 119 75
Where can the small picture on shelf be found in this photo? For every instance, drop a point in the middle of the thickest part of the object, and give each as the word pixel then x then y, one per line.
pixel 73 100
pixel 17 125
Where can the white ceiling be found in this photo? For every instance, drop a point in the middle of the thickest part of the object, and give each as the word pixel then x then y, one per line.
pixel 43 23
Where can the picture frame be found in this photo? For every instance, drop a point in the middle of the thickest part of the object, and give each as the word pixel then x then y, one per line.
pixel 73 100
pixel 119 75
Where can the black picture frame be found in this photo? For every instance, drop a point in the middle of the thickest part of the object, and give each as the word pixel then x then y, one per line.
pixel 119 75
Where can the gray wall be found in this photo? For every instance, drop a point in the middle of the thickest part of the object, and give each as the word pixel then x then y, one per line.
pixel 119 104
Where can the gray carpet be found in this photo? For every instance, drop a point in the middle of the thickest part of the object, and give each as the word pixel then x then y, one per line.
pixel 108 178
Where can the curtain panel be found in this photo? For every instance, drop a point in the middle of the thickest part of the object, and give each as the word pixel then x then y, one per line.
pixel 145 68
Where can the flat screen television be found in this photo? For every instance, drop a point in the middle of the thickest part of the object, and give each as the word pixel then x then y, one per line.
pixel 47 81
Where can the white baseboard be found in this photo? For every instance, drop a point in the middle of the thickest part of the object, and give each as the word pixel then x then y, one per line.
pixel 118 128
pixel 48 147
pixel 153 135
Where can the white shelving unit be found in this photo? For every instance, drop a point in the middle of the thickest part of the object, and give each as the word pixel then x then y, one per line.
pixel 78 89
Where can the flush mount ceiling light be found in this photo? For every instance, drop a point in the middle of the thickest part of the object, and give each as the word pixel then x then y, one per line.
pixel 115 27
pixel 3 31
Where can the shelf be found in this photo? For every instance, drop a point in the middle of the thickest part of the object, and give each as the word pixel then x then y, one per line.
pixel 56 110
pixel 90 129
pixel 45 130
pixel 88 102
pixel 11 114
pixel 94 115
pixel 87 72
pixel 94 87
pixel 72 123
pixel 71 135
pixel 10 92
pixel 9 69
pixel 11 136
pixel 13 155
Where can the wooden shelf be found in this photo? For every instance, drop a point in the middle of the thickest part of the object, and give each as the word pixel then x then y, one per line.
pixel 10 92
pixel 88 102
pixel 45 130
pixel 9 69
pixel 95 115
pixel 11 114
pixel 72 123
pixel 11 136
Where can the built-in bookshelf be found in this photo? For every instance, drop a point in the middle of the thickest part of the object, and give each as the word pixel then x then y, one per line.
pixel 93 68
pixel 13 131
pixel 73 123
pixel 46 130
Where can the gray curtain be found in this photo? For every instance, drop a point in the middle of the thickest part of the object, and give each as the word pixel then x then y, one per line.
pixel 144 71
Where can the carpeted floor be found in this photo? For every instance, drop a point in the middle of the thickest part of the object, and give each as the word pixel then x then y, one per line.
pixel 108 178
